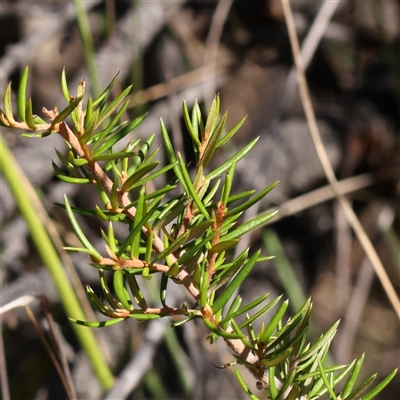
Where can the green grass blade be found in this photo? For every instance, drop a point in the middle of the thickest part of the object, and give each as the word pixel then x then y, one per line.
pixel 50 258
pixel 88 45
pixel 284 269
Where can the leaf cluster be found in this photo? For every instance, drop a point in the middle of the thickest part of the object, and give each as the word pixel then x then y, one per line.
pixel 185 232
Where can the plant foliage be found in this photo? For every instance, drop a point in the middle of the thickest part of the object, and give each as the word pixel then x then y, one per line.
pixel 185 232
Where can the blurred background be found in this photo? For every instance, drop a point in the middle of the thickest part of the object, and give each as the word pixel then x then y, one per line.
pixel 193 50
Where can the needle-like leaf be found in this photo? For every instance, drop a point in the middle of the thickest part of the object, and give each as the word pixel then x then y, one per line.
pixel 78 231
pixel 224 297
pixel 21 97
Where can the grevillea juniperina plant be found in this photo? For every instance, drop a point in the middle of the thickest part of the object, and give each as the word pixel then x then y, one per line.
pixel 185 232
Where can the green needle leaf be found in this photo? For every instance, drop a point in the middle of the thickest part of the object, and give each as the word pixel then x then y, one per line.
pixel 29 119
pixel 274 322
pixel 220 332
pixel 247 204
pixel 276 358
pixel 168 147
pixel 97 303
pixel 326 338
pixel 234 159
pixel 69 179
pixel 78 231
pixel 348 387
pixel 67 111
pixel 187 183
pixel 374 392
pixel 325 379
pixel 136 292
pixel 152 176
pixel 101 100
pixel 112 107
pixel 119 135
pixel 244 386
pixel 113 156
pixel 136 230
pixel 175 245
pixel 120 290
pixel 231 133
pixel 239 196
pixel 237 280
pixel 249 226
pixel 132 180
pixel 362 388
pixel 21 98
pixel 64 86
pixel 211 119
pixel 8 105
pixel 211 147
pixel 189 126
pixel 246 308
pixel 258 314
pixel 272 388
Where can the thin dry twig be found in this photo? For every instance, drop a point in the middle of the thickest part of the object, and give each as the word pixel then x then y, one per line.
pixel 308 48
pixel 319 196
pixel 56 341
pixel 70 390
pixel 64 374
pixel 178 83
pixel 330 174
